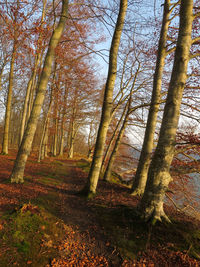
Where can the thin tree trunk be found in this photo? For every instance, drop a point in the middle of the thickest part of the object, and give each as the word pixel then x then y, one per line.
pixel 43 141
pixel 90 187
pixel 61 150
pixel 139 181
pixel 9 102
pixel 55 140
pixel 46 140
pixel 25 147
pixel 108 170
pixel 24 113
pixel 71 140
pixel 1 72
pixel 31 83
pixel 109 146
pixel 151 205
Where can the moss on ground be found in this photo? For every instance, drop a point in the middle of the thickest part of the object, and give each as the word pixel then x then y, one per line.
pixel 84 165
pixel 31 237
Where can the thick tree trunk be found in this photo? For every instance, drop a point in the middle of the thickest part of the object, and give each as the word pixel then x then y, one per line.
pixel 107 104
pixel 159 177
pixel 140 178
pixel 25 147
pixel 9 102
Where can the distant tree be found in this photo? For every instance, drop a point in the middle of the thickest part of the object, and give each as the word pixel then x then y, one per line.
pixel 25 147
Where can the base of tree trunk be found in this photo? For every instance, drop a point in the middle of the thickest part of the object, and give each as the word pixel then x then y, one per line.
pixel 4 153
pixel 137 192
pixel 85 192
pixel 154 214
pixel 17 180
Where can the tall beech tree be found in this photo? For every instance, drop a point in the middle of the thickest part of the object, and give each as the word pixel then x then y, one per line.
pixel 139 181
pixel 91 185
pixel 151 205
pixel 26 144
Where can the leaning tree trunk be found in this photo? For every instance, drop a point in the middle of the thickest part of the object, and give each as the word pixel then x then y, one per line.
pixel 25 147
pixel 151 205
pixel 90 187
pixel 140 178
pixel 110 144
pixel 108 170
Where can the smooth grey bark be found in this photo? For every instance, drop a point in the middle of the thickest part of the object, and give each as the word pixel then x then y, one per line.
pixel 25 147
pixel 139 181
pixel 151 205
pixel 90 187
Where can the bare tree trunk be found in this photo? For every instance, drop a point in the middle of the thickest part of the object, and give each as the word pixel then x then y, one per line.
pixel 111 142
pixel 25 108
pixel 151 205
pixel 74 131
pixel 139 181
pixel 55 139
pixel 9 101
pixel 45 144
pixel 108 170
pixel 44 137
pixel 90 187
pixel 1 71
pixel 61 150
pixel 31 84
pixel 25 147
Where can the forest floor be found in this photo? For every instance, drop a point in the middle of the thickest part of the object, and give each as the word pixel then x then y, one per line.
pixel 45 223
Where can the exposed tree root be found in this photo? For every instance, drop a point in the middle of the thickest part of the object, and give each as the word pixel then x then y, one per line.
pixel 17 180
pixel 137 192
pixel 154 214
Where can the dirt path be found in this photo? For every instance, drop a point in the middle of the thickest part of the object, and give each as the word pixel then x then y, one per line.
pixel 104 231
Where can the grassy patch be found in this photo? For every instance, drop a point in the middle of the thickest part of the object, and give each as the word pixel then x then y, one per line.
pixel 84 165
pixel 29 236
